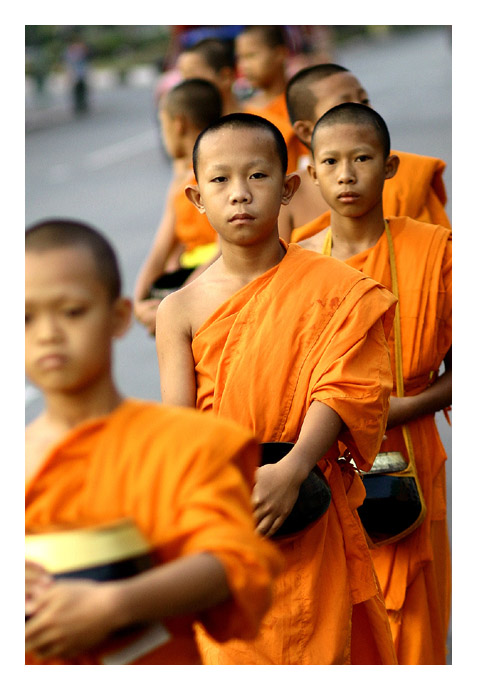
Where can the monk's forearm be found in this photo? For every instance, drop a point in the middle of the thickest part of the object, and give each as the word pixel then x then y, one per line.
pixel 189 585
pixel 435 398
pixel 319 431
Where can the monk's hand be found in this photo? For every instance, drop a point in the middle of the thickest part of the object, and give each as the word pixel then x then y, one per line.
pixel 145 312
pixel 273 497
pixel 70 617
pixel 37 579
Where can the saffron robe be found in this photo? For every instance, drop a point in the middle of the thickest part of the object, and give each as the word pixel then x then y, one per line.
pixel 186 482
pixel 417 190
pixel 303 331
pixel 276 112
pixel 414 573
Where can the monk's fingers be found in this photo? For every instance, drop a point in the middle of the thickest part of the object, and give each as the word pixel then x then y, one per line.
pixel 269 525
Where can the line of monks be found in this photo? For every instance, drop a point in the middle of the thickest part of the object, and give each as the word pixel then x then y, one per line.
pixel 269 289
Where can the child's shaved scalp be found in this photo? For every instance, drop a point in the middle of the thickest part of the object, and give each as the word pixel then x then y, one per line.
pixel 198 99
pixel 56 233
pixel 215 52
pixel 244 121
pixel 359 114
pixel 301 101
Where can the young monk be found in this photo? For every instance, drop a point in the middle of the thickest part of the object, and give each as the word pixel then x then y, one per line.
pixel 352 160
pixel 417 189
pixel 292 347
pixel 212 59
pixel 184 111
pixel 94 457
pixel 261 53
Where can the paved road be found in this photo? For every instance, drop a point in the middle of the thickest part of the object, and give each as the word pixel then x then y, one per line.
pixel 109 167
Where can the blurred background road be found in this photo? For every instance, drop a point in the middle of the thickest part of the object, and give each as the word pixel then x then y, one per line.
pixel 107 166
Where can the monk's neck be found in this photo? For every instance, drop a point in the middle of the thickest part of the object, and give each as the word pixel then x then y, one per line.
pixel 350 236
pixel 245 264
pixel 64 411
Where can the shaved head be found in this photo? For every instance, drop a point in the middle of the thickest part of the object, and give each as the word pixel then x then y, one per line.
pixel 358 114
pixel 56 233
pixel 301 100
pixel 198 99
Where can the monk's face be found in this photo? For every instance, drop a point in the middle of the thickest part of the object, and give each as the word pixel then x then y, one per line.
pixel 342 87
pixel 258 62
pixel 241 183
pixel 350 167
pixel 70 320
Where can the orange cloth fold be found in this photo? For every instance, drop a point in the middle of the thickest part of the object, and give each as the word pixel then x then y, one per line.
pixel 186 483
pixel 421 561
pixel 276 112
pixel 417 191
pixel 307 330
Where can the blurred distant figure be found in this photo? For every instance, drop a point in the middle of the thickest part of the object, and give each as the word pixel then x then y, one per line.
pixel 76 59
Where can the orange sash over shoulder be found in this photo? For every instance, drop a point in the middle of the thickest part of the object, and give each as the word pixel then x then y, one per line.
pixel 308 330
pixel 415 572
pixel 185 482
pixel 417 191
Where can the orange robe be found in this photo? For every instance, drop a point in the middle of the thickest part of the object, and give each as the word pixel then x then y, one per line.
pixel 276 112
pixel 415 573
pixel 307 330
pixel 191 227
pixel 186 483
pixel 417 191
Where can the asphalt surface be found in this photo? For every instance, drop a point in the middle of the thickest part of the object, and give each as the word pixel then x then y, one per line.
pixel 109 168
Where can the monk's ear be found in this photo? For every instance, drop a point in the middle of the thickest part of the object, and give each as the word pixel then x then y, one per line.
pixel 312 173
pixel 122 314
pixel 290 185
pixel 391 166
pixel 193 194
pixel 303 129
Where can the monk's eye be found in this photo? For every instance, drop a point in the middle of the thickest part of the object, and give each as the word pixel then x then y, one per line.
pixel 219 178
pixel 363 158
pixel 257 176
pixel 74 312
pixel 329 161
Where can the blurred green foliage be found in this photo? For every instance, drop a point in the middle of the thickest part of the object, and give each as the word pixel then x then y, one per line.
pixel 121 46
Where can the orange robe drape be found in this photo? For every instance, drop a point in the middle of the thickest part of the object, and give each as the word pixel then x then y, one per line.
pixel 186 483
pixel 415 573
pixel 417 191
pixel 192 228
pixel 276 112
pixel 306 330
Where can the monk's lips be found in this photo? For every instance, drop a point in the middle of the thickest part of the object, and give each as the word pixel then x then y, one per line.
pixel 104 553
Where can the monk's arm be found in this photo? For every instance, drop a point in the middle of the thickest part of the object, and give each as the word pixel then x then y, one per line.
pixel 432 399
pixel 174 352
pixel 70 617
pixel 165 241
pixel 277 485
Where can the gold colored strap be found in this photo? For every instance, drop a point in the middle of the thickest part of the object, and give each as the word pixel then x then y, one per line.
pixel 327 244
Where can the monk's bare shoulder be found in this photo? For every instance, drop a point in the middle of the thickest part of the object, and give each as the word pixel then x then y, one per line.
pixel 315 243
pixel 187 309
pixel 39 438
